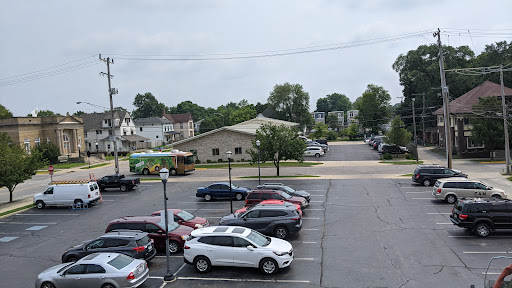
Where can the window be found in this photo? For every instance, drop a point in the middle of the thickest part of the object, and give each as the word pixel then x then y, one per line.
pixel 96 244
pixel 127 120
pixel 240 242
pixel 124 131
pixel 205 240
pixel 238 150
pixel 47 139
pixel 156 136
pixel 190 125
pixel 132 132
pixel 440 119
pixel 89 145
pixel 93 268
pixel 140 129
pixel 253 196
pixel 266 196
pixel 27 145
pixel 277 196
pixel 222 241
pixel 152 228
pixel 474 144
pixel 120 261
pixel 465 120
pixel 181 125
pixel 215 151
pixel 37 141
pixel 252 214
pixel 65 141
pixel 450 185
pixel 77 269
pixel 108 146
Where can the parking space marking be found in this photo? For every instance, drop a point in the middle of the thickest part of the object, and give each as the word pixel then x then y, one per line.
pixel 316 190
pixel 173 256
pixel 439 213
pixel 317 195
pixel 36 228
pixel 305 242
pixel 64 214
pixel 431 198
pixel 317 201
pixel 112 195
pixel 310 229
pixel 310 218
pixel 444 223
pixel 315 209
pixel 28 223
pixel 244 280
pixel 418 192
pixel 7 239
pixel 304 259
pixel 483 252
pixel 108 200
pixel 179 269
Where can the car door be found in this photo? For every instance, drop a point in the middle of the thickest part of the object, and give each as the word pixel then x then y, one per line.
pixel 49 196
pixel 501 215
pixel 214 191
pixel 224 191
pixel 243 256
pixel 73 277
pixel 223 250
pixel 155 232
pixel 252 220
pixel 98 245
pixel 94 276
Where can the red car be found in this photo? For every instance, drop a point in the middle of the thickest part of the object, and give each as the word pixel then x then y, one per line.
pixel 182 217
pixel 258 195
pixel 271 202
pixel 154 226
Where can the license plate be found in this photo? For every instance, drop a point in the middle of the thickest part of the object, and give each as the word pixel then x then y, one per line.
pixel 150 247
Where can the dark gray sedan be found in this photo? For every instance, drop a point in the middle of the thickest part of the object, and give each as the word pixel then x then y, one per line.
pixel 105 270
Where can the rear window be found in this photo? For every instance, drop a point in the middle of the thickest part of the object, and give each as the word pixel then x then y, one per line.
pixel 143 241
pixel 479 208
pixel 458 206
pixel 253 196
pixel 437 184
pixel 450 185
pixel 120 261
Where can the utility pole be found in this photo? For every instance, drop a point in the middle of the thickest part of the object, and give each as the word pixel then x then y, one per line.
pixel 414 125
pixel 505 123
pixel 444 89
pixel 111 91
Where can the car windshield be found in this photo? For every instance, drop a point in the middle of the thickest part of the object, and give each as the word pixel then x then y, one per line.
pixel 120 261
pixel 63 268
pixel 233 186
pixel 286 195
pixel 185 215
pixel 258 239
pixel 288 189
pixel 171 224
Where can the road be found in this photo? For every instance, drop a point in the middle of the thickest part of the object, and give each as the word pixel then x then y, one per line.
pixel 359 232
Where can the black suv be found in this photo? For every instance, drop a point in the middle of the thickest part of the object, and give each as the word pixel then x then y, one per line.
pixel 428 174
pixel 287 189
pixel 276 220
pixel 134 244
pixel 322 141
pixel 482 216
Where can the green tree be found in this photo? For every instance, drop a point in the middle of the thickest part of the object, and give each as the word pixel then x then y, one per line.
pixel 207 125
pixel 487 126
pixel 78 113
pixel 119 108
pixel 352 131
pixel 333 102
pixel 397 134
pixel 45 113
pixel 291 103
pixel 146 105
pixel 332 121
pixel 277 143
pixel 4 112
pixel 198 112
pixel 320 130
pixel 16 165
pixel 242 114
pixel 49 152
pixel 373 107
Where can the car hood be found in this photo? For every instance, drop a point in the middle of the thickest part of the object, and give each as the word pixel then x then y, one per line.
pixel 302 193
pixel 279 245
pixel 53 270
pixel 197 220
pixel 182 230
pixel 296 199
pixel 228 218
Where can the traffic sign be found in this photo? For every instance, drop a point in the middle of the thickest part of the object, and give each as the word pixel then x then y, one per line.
pixel 50 169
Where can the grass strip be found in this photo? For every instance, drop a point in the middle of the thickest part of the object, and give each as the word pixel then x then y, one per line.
pixel 45 171
pixel 408 175
pixel 509 178
pixel 285 176
pixel 402 162
pixel 16 210
pixel 150 179
pixel 262 165
pixel 94 166
pixel 67 165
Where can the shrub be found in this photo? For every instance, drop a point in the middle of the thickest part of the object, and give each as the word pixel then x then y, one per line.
pixel 49 152
pixel 387 156
pixel 220 160
pixel 242 160
pixel 208 161
pixel 331 135
pixel 198 161
pixel 409 156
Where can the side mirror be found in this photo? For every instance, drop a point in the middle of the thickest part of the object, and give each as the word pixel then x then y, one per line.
pixel 250 248
pixel 245 218
pixel 180 222
pixel 160 231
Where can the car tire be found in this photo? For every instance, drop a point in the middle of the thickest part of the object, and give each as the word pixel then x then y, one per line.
pixel 427 182
pixel 202 264
pixel 71 259
pixel 281 232
pixel 451 199
pixel 40 204
pixel 123 188
pixel 108 285
pixel 482 230
pixel 47 285
pixel 79 202
pixel 317 155
pixel 174 247
pixel 496 197
pixel 207 197
pixel 268 266
pixel 174 172
pixel 239 196
pixel 145 171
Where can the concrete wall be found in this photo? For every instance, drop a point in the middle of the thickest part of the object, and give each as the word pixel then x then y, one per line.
pixel 224 141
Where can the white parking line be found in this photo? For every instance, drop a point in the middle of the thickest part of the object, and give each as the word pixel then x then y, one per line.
pixel 303 259
pixel 108 200
pixel 7 239
pixel 444 223
pixel 438 213
pixel 310 218
pixel 308 242
pixel 64 214
pixel 417 192
pixel 316 190
pixel 491 273
pixel 244 280
pixel 315 209
pixel 179 269
pixel 36 228
pixel 112 195
pixel 173 256
pixel 482 252
pixel 431 198
pixel 28 223
pixel 310 229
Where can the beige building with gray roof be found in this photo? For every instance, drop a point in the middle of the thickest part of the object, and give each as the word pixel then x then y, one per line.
pixel 214 144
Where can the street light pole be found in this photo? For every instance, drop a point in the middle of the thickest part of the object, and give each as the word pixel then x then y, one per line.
pixel 79 146
pixel 230 190
pixel 259 170
pixel 164 175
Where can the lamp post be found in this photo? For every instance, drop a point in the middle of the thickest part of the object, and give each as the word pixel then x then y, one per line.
pixel 79 146
pixel 96 147
pixel 230 191
pixel 259 171
pixel 164 174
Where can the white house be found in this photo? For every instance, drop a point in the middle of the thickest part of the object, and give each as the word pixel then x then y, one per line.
pixel 341 117
pixel 351 116
pixel 319 117
pixel 159 131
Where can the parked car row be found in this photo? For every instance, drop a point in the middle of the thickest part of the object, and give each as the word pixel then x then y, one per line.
pixel 377 143
pixel 316 147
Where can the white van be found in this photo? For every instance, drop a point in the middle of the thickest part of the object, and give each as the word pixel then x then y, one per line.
pixel 67 193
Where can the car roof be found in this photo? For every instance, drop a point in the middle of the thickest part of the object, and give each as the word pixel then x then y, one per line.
pixel 430 166
pixel 124 234
pixel 288 206
pixel 98 258
pixel 267 190
pixel 457 179
pixel 217 183
pixel 221 230
pixel 148 219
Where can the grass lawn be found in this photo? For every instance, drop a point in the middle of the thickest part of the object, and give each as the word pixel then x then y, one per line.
pixel 509 178
pixel 45 171
pixel 263 165
pixel 16 210
pixel 408 175
pixel 402 162
pixel 66 165
pixel 285 176
pixel 488 161
pixel 94 166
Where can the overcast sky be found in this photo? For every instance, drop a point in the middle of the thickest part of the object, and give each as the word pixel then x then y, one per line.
pixel 37 35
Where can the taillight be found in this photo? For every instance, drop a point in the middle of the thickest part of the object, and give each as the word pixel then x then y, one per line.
pixel 89 196
pixel 130 276
pixel 139 248
pixel 417 176
pixel 295 218
pixel 463 217
pixel 186 247
pixel 246 200
pixel 439 190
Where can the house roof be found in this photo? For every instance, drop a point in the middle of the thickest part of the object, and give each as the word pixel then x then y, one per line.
pixel 247 127
pixel 178 118
pixel 93 121
pixel 464 104
pixel 151 120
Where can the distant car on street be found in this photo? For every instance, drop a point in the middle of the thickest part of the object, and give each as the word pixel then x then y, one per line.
pixel 118 181
pixel 314 151
pixel 106 270
pixel 221 190
pixel 182 217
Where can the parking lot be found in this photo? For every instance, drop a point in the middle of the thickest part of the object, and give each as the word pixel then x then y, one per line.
pixel 356 233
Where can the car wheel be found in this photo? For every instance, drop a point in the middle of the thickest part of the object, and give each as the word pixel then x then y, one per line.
pixel 207 197
pixel 174 172
pixel 202 264
pixel 123 188
pixel 317 155
pixel 269 266
pixel 79 202
pixel 47 285
pixel 145 171
pixel 451 199
pixel 427 182
pixel 281 232
pixel 108 285
pixel 482 230
pixel 40 204
pixel 71 259
pixel 496 197
pixel 174 247
pixel 239 196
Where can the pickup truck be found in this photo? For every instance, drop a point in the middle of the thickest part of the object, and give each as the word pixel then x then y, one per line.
pixel 118 181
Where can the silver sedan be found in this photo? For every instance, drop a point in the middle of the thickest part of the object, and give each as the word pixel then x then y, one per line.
pixel 105 270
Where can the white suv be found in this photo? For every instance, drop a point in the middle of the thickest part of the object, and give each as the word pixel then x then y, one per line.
pixel 316 151
pixel 236 246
